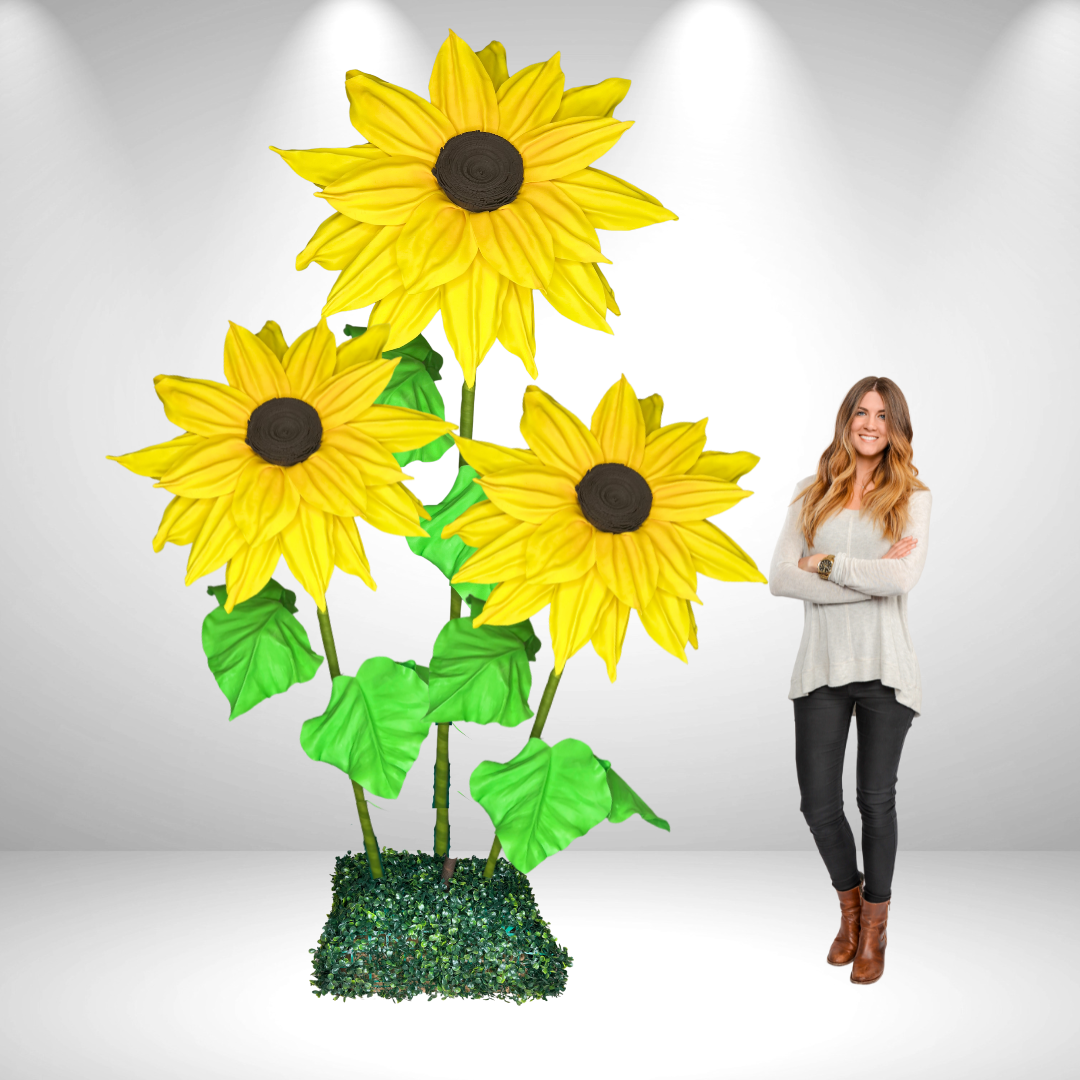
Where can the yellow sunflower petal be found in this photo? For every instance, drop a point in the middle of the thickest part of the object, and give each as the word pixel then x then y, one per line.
pixel 349 554
pixel 272 337
pixel 619 426
pixel 493 57
pixel 376 464
pixel 514 601
pixel 251 366
pixel 516 242
pixel 487 457
pixel 557 436
pixel 324 165
pixel 500 560
pixel 308 547
pixel 208 469
pixel 182 520
pixel 610 633
pixel 671 450
pixel 266 500
pixel 203 407
pixel 391 508
pixel 310 360
pixel 530 494
pixel 155 460
pixel 472 309
pixel 480 524
pixel 721 466
pixel 383 192
pixel 667 622
pixel 330 481
pixel 461 88
pixel 529 98
pixel 678 575
pixel 715 554
pixel 217 542
pixel 398 429
pixel 575 612
pixel 395 119
pixel 436 244
pixel 693 625
pixel 568 146
pixel 372 274
pixel 692 498
pixel 609 293
pixel 365 349
pixel 345 396
pixel 611 203
pixel 562 549
pixel 517 330
pixel 599 99
pixel 407 313
pixel 336 242
pixel 249 570
pixel 572 236
pixel 652 408
pixel 576 291
pixel 629 566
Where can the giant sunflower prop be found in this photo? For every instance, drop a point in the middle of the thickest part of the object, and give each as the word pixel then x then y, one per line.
pixel 283 458
pixel 596 521
pixel 469 202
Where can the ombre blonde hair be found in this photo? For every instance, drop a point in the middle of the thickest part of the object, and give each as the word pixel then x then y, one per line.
pixel 894 479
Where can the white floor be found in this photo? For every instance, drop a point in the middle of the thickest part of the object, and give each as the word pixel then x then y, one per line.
pixel 195 965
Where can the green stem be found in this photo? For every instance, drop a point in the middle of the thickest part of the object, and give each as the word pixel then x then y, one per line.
pixel 441 800
pixel 537 728
pixel 371 845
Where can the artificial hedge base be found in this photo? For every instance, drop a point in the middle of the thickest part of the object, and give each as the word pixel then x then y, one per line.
pixel 409 933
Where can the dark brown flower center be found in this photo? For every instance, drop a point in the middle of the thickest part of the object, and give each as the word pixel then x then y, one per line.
pixel 284 431
pixel 614 498
pixel 479 171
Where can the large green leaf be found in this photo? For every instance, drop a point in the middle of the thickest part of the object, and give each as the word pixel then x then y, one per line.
pixel 259 649
pixel 542 800
pixel 451 554
pixel 374 725
pixel 625 801
pixel 412 386
pixel 481 674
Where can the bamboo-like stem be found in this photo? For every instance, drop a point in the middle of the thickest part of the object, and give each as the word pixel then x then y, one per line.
pixel 441 799
pixel 371 845
pixel 537 728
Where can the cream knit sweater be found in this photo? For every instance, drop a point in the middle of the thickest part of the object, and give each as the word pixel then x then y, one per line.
pixel 855 624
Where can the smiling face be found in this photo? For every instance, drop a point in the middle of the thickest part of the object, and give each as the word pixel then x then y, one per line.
pixel 869 430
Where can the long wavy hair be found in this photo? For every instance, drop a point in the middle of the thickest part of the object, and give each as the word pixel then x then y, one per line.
pixel 894 479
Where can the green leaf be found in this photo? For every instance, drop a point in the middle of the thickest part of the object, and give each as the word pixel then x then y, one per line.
pixel 543 799
pixel 412 386
pixel 373 727
pixel 625 801
pixel 481 674
pixel 450 555
pixel 259 649
pixel 418 668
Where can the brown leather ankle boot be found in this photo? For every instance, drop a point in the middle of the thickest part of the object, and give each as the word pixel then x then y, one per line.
pixel 842 951
pixel 870 956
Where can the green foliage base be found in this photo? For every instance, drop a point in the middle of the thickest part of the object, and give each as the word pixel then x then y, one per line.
pixel 408 934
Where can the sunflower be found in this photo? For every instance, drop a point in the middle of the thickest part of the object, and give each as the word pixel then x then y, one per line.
pixel 469 202
pixel 596 521
pixel 281 460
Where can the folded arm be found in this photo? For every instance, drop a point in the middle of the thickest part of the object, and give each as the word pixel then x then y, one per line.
pixel 785 577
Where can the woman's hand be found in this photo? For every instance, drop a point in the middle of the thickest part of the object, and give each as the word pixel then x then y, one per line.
pixel 809 562
pixel 901 548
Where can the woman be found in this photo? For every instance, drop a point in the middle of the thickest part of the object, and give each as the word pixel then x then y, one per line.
pixel 853 546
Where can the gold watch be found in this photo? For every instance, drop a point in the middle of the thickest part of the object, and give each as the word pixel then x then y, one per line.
pixel 824 566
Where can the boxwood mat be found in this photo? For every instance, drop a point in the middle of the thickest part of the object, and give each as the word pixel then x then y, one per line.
pixel 409 933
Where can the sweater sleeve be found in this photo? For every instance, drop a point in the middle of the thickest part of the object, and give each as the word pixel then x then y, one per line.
pixel 785 577
pixel 890 577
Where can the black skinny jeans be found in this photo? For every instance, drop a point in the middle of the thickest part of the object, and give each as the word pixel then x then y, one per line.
pixel 822 722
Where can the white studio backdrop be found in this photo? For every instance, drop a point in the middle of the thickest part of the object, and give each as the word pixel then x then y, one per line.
pixel 864 188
